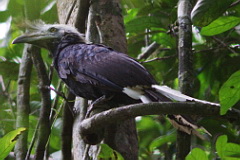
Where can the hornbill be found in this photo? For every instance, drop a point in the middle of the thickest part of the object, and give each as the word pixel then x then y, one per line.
pixel 96 72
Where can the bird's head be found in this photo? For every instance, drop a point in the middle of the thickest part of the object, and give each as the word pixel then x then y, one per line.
pixel 49 36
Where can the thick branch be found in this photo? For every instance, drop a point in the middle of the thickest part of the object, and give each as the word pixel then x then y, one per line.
pixel 105 118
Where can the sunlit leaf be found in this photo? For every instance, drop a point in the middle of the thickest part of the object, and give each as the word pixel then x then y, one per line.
pixel 197 154
pixel 8 142
pixel 225 150
pixel 206 11
pixel 220 25
pixel 229 93
pixel 108 153
pixel 232 150
pixel 131 14
pixel 221 144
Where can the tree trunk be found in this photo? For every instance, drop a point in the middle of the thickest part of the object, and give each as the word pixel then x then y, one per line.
pixel 185 73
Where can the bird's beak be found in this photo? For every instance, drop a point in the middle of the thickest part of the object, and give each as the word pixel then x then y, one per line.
pixel 31 38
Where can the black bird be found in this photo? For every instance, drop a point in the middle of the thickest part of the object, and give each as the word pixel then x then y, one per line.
pixel 97 72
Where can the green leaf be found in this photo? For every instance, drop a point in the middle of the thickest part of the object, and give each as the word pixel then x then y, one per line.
pixel 221 144
pixel 220 25
pixel 9 70
pixel 141 23
pixel 165 39
pixel 162 140
pixel 131 14
pixel 206 11
pixel 197 154
pixel 230 151
pixel 8 142
pixel 4 16
pixel 108 153
pixel 229 93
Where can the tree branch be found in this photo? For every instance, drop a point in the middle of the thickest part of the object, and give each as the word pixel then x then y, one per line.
pixel 101 120
pixel 23 105
pixel 82 14
pixel 148 51
pixel 44 121
pixel 67 128
pixel 234 3
pixel 159 58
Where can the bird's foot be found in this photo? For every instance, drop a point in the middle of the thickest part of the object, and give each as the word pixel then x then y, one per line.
pixel 96 104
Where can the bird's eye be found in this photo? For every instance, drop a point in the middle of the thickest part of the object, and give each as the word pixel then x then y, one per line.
pixel 52 29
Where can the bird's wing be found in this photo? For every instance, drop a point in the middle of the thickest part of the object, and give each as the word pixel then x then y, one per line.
pixel 102 66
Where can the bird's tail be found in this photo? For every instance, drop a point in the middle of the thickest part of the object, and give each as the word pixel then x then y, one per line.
pixel 182 123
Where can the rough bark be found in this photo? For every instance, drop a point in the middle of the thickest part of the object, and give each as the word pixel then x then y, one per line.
pixel 44 117
pixel 108 19
pixel 67 11
pixel 185 73
pixel 23 106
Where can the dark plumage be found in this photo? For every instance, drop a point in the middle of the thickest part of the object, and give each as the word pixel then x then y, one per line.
pixel 92 71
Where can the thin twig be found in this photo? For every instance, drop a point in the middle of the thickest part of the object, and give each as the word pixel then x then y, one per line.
pixel 34 137
pixel 159 58
pixel 9 98
pixel 234 4
pixel 223 43
pixel 148 51
pixel 70 12
pixel 86 150
pixel 133 38
pixel 61 94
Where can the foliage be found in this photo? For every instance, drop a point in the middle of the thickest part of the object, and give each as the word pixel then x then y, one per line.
pixel 197 154
pixel 108 153
pixel 206 11
pixel 216 58
pixel 230 92
pixel 220 25
pixel 8 142
pixel 225 150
